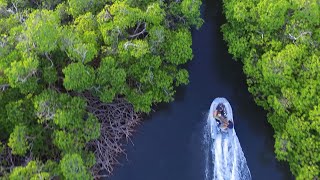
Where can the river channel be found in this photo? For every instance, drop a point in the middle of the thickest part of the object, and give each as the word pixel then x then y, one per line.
pixel 168 145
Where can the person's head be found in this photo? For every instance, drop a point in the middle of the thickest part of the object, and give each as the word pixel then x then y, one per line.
pixel 220 107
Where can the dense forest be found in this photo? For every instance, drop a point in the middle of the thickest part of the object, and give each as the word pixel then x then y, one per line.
pixel 278 43
pixel 75 77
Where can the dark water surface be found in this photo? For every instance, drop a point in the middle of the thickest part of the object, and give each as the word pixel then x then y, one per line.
pixel 168 145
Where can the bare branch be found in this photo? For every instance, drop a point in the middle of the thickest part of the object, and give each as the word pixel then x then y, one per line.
pixel 3 87
pixel 24 79
pixel 47 56
pixel 141 32
pixel 300 35
pixel 118 120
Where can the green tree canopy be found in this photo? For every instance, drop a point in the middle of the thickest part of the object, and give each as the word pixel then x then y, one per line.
pixel 18 140
pixel 78 77
pixel 42 30
pixel 278 44
pixel 72 167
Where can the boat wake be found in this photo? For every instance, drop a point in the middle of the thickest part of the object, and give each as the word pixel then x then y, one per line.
pixel 223 154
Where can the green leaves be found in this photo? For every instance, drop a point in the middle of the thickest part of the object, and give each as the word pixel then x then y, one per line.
pixel 178 47
pixel 72 167
pixel 19 112
pixel 136 48
pixel 80 46
pixel 18 140
pixel 45 105
pixel 76 127
pixel 67 142
pixel 239 45
pixel 271 14
pixel 42 29
pixel 307 11
pixel 29 172
pixel 71 115
pixel 77 8
pixel 125 16
pixel 278 68
pixel 21 74
pixel 92 128
pixel 78 77
pixel 141 101
pixel 315 119
pixel 182 77
pixel 111 78
pixel 155 14
pixel 35 170
pixel 108 72
pixel 190 10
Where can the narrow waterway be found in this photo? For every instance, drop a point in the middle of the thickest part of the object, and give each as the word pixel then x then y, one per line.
pixel 169 144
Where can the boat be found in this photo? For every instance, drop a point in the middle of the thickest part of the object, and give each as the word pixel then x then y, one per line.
pixel 220 115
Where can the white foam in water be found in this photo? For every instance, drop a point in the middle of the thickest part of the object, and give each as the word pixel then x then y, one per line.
pixel 223 154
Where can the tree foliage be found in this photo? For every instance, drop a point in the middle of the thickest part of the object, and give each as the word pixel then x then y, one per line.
pixel 78 77
pixel 42 30
pixel 18 140
pixel 278 44
pixel 58 56
pixel 72 167
pixel 35 170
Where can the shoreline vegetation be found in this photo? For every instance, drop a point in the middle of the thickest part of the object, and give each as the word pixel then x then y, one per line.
pixel 278 43
pixel 77 76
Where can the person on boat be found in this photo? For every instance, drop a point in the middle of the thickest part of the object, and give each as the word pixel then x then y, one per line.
pixel 220 116
pixel 227 124
pixel 220 113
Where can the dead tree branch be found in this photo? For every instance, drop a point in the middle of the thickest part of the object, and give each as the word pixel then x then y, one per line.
pixel 139 33
pixel 118 120
pixel 8 161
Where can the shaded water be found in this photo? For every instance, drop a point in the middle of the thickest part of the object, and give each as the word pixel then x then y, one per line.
pixel 168 145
